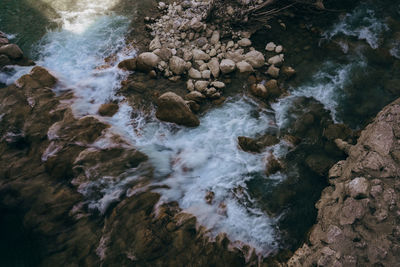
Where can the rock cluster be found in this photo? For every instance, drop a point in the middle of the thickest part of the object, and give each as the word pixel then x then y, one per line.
pixel 358 216
pixel 185 46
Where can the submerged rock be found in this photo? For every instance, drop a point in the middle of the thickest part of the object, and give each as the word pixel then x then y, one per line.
pixel 172 108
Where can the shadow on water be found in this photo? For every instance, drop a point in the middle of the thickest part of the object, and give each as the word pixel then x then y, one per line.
pixel 29 20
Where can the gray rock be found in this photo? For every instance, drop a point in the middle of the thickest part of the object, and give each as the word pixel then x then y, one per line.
pixel 243 66
pixel 190 85
pixel 270 47
pixel 177 65
pixel 244 42
pixel 206 74
pixel 276 60
pixel 213 65
pixel 273 71
pixel 201 85
pixel 255 58
pixel 215 38
pixel 194 74
pixel 200 55
pixel 227 66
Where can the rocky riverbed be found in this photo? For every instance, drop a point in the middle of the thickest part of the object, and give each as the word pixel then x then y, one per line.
pixel 195 149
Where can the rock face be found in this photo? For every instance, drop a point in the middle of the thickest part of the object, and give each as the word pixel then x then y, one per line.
pixel 172 108
pixel 357 222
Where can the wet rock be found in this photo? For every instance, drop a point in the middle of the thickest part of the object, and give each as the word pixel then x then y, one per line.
pixel 147 61
pixel 257 145
pixel 128 64
pixel 244 67
pixel 209 197
pixel 273 165
pixel 319 163
pixel 337 131
pixel 227 66
pixel 108 109
pixel 3 41
pixel 4 61
pixel 172 108
pixel 255 58
pixel 273 88
pixel 259 90
pixel 12 51
pixel 177 65
pixel 244 42
pixel 288 72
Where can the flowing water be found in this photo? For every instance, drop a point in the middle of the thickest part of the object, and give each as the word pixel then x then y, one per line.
pixel 192 162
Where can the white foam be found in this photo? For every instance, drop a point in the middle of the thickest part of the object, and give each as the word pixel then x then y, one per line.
pixel 12 73
pixel 361 23
pixel 326 86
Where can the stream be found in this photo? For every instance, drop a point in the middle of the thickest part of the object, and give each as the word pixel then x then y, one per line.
pixel 351 80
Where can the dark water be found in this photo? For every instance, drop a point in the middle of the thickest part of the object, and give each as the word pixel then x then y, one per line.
pixel 347 60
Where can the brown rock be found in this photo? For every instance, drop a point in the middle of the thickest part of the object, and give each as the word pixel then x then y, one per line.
pixel 172 108
pixel 4 60
pixel 147 61
pixel 43 76
pixel 12 51
pixel 128 64
pixel 273 165
pixel 108 109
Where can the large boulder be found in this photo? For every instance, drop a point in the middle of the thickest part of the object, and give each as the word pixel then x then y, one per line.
pixel 172 108
pixel 12 51
pixel 227 66
pixel 255 58
pixel 147 61
pixel 177 65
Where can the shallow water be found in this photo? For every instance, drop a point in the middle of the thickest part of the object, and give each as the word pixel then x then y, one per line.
pixel 192 162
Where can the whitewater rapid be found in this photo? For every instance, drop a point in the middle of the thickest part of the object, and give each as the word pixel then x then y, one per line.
pixel 191 162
